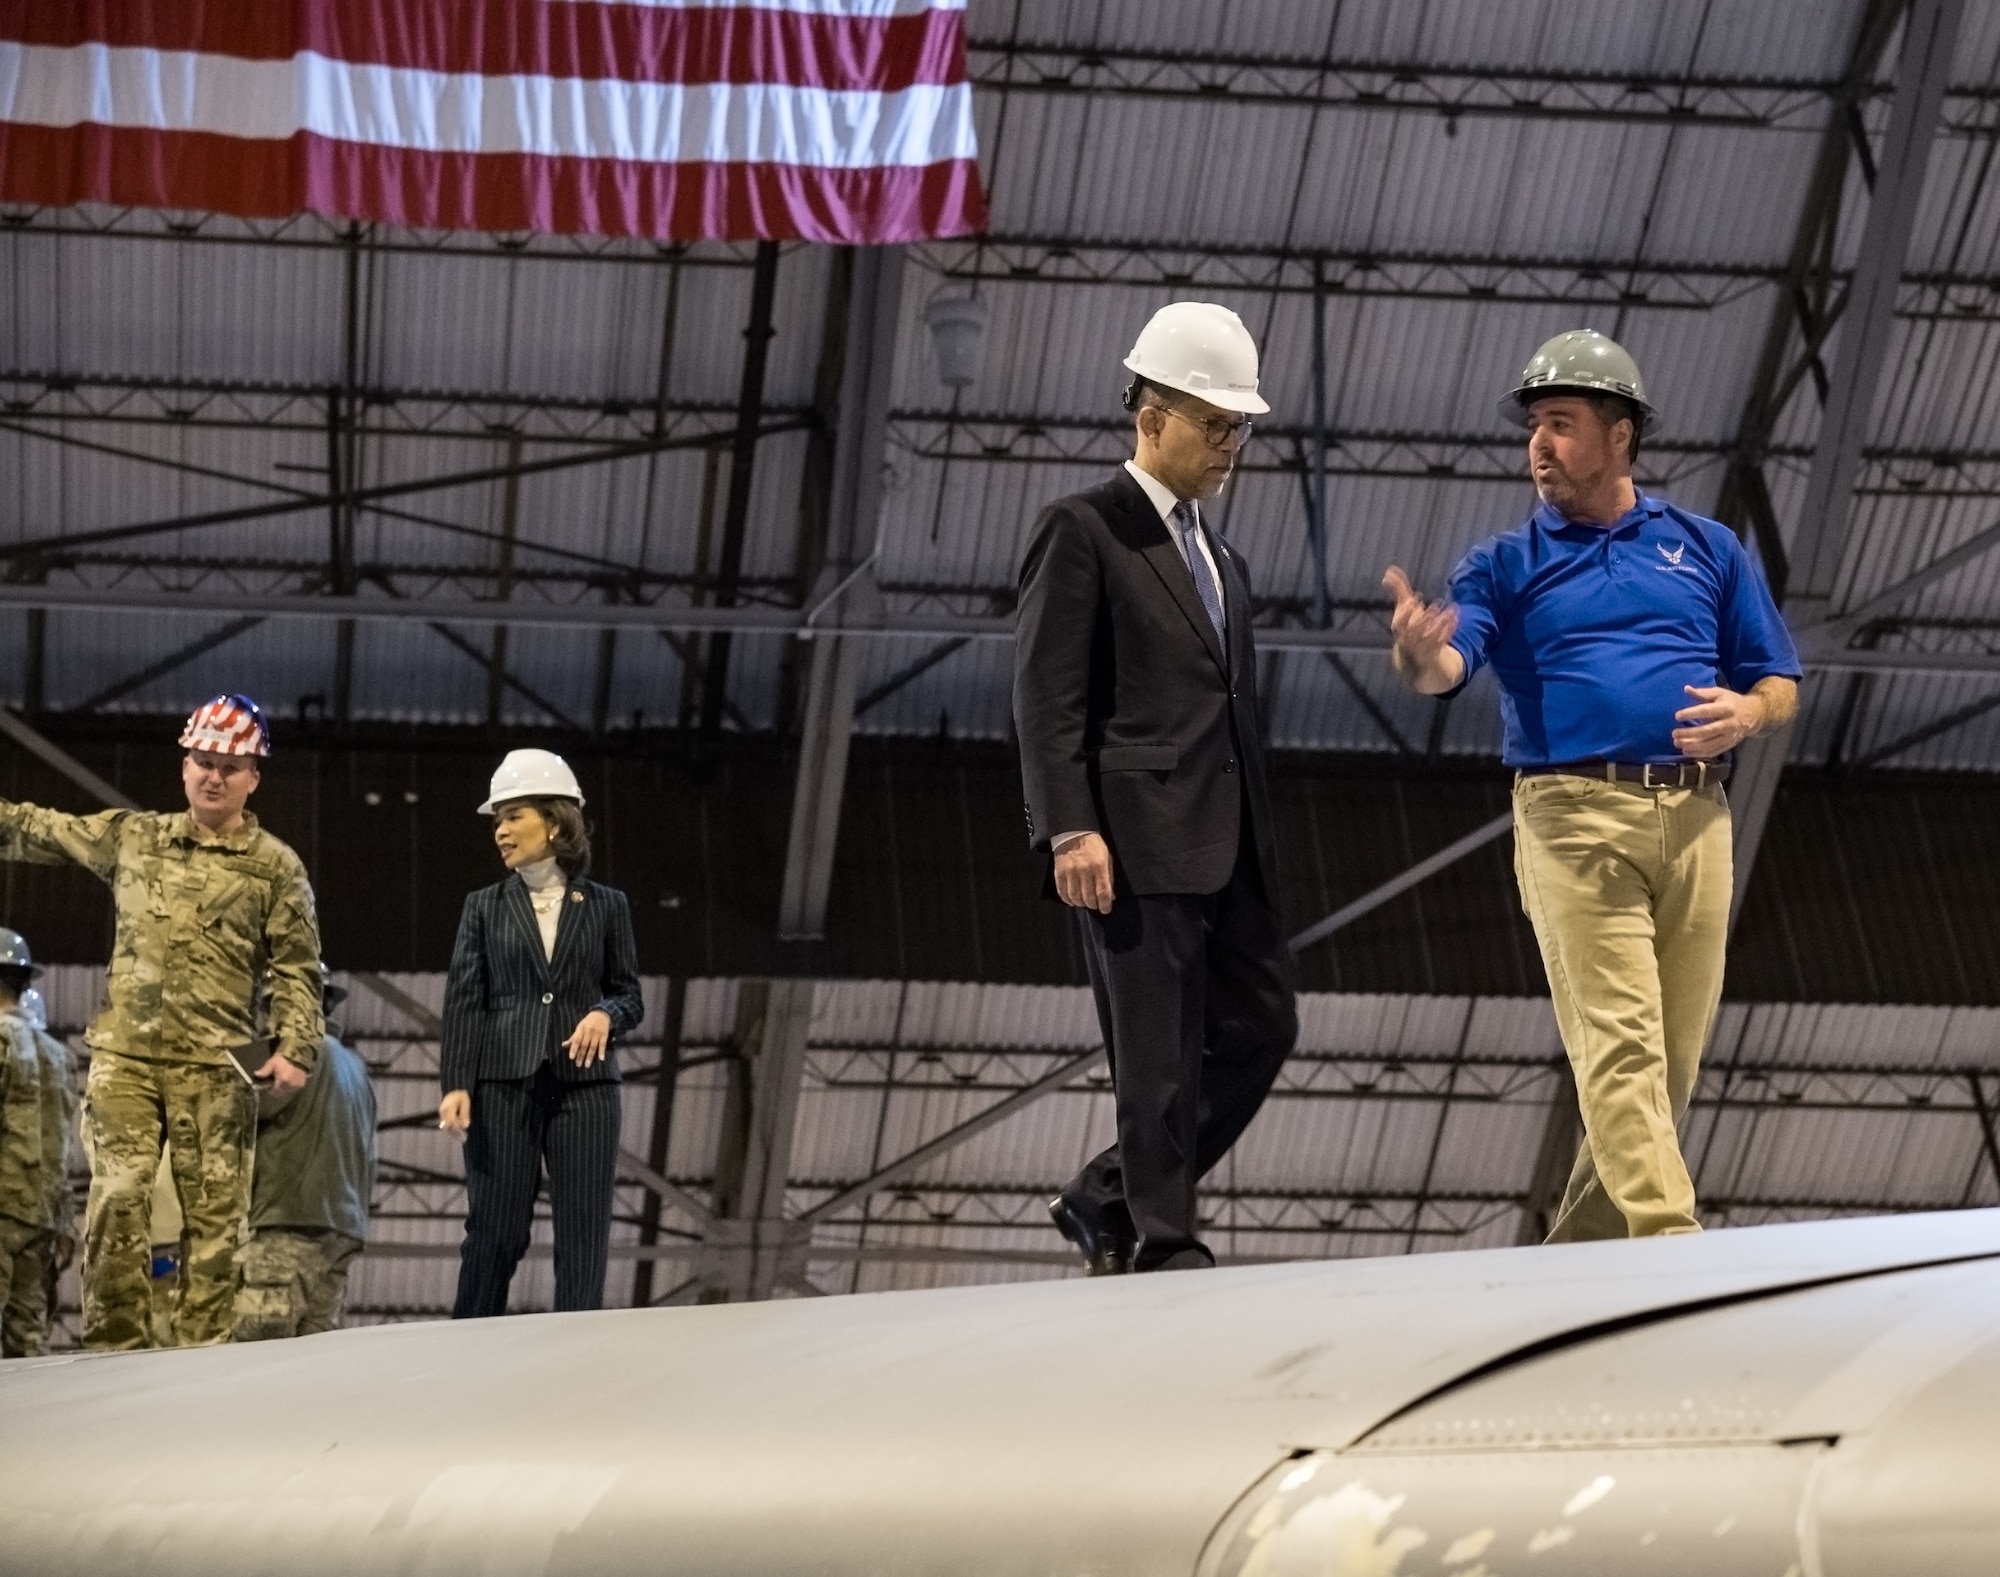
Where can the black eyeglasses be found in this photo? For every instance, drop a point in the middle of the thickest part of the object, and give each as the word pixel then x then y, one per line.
pixel 1218 430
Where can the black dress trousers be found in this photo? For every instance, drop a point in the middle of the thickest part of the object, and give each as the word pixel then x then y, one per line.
pixel 1195 996
pixel 520 1127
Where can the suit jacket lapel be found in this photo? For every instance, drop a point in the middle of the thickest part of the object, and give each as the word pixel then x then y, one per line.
pixel 1160 552
pixel 521 910
pixel 568 923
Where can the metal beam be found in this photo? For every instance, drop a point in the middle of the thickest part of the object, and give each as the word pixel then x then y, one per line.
pixel 1063 1074
pixel 499 676
pixel 1988 1142
pixel 992 436
pixel 742 469
pixel 1827 634
pixel 332 573
pixel 660 1131
pixel 1957 717
pixel 750 1247
pixel 1396 886
pixel 1555 1158
pixel 1930 34
pixel 1929 40
pixel 200 646
pixel 189 402
pixel 847 594
pixel 41 547
pixel 1367 638
pixel 1210 77
pixel 308 232
pixel 909 673
pixel 1802 303
pixel 1376 713
pixel 51 754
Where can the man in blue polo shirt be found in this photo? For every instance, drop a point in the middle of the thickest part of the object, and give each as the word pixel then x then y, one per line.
pixel 1636 646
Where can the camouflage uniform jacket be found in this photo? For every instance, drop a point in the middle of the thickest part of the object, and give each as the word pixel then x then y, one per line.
pixel 204 920
pixel 37 1126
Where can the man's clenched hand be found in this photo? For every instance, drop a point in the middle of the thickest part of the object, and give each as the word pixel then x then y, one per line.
pixel 1083 873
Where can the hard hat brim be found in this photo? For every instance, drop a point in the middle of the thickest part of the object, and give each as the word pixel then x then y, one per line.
pixel 1243 402
pixel 1514 404
pixel 494 802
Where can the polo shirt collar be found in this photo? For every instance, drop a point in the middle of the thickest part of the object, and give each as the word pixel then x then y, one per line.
pixel 1643 508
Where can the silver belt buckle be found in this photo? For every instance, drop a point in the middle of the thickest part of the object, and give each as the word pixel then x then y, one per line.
pixel 1680 777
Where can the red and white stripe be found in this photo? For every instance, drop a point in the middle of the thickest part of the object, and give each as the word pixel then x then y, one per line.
pixel 826 120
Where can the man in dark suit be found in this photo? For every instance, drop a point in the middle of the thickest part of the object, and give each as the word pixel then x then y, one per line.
pixel 1135 698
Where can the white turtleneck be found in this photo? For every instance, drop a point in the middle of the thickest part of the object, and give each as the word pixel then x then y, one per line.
pixel 546 883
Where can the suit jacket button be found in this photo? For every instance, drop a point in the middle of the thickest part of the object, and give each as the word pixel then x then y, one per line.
pixel 1229 765
pixel 548 997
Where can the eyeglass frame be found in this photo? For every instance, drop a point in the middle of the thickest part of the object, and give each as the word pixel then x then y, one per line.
pixel 1207 426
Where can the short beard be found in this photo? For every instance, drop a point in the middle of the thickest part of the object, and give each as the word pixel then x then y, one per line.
pixel 1556 492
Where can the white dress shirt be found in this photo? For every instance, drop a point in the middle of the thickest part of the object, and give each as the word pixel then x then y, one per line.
pixel 1164 501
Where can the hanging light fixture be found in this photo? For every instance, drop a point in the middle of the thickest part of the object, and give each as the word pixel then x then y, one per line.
pixel 956 317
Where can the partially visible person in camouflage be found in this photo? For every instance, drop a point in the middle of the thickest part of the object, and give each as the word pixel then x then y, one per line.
pixel 37 1140
pixel 309 1203
pixel 210 908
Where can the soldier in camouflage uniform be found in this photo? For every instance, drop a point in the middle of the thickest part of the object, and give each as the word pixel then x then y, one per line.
pixel 37 1140
pixel 309 1203
pixel 209 908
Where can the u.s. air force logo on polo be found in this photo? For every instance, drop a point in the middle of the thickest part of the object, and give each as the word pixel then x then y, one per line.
pixel 1672 555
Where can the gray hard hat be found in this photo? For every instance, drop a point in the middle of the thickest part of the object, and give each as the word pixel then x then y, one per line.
pixel 14 953
pixel 1583 361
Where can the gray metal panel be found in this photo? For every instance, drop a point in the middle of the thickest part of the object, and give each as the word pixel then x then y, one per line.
pixel 922 1432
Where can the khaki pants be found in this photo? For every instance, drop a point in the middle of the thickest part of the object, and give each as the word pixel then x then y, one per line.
pixel 291 1281
pixel 1628 889
pixel 131 1108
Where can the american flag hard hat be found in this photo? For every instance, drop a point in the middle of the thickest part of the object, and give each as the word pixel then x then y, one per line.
pixel 229 725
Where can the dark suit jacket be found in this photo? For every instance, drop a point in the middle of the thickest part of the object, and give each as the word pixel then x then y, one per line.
pixel 1134 722
pixel 508 1007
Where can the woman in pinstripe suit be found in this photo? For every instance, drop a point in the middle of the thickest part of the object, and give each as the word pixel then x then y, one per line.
pixel 543 980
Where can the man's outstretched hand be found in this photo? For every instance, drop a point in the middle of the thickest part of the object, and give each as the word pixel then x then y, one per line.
pixel 1422 632
pixel 1083 873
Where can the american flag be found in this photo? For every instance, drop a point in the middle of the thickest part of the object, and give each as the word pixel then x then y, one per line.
pixel 844 121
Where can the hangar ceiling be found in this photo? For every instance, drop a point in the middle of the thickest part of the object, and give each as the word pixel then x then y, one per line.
pixel 218 408
pixel 591 493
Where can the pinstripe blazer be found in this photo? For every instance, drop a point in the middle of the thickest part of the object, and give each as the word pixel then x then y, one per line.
pixel 508 1006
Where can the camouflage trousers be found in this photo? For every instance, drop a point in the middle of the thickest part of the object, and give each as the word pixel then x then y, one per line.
pixel 131 1107
pixel 27 1278
pixel 291 1281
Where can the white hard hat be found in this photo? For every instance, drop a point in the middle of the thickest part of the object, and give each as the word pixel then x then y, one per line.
pixel 1201 349
pixel 532 774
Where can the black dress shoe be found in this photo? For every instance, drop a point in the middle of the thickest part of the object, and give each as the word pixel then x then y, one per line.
pixel 1104 1252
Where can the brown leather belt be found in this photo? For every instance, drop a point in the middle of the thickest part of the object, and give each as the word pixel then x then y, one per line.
pixel 1650 774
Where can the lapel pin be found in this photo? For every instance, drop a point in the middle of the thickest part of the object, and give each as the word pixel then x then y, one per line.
pixel 576 897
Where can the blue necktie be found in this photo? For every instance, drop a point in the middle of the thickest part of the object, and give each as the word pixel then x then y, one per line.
pixel 1204 579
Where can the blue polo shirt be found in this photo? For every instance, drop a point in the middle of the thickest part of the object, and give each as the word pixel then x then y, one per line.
pixel 1595 632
